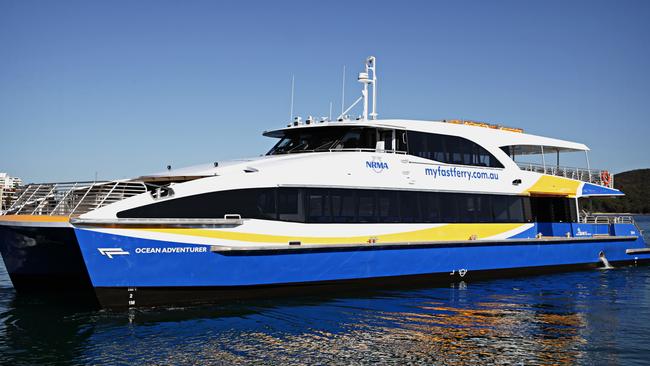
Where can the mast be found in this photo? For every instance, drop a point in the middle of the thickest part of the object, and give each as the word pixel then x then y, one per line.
pixel 369 80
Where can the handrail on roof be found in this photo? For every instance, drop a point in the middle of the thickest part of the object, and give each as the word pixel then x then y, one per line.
pixel 71 198
pixel 595 176
pixel 344 150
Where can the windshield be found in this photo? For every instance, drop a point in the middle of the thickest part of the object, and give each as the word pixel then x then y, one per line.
pixel 326 139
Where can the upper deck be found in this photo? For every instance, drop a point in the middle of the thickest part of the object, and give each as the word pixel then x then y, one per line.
pixel 498 140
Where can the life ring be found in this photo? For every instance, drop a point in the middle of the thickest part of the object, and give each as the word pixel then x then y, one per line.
pixel 606 178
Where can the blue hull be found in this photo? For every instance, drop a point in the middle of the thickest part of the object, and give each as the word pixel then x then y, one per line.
pixel 152 264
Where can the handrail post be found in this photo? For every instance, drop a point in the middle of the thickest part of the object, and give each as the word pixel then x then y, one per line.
pixel 81 200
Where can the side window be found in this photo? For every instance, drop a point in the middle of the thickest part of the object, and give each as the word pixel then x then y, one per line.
pixel 484 208
pixel 430 205
pixel 450 150
pixel 290 204
pixel 344 205
pixel 408 207
pixel 319 206
pixel 266 204
pixel 387 138
pixel 400 135
pixel 449 203
pixel 351 140
pixel 458 150
pixel 367 206
pixel 501 208
pixel 388 206
pixel 515 209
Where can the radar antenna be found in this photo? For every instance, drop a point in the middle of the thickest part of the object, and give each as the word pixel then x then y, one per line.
pixel 368 79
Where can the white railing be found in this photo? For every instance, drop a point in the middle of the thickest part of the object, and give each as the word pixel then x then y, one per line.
pixel 343 150
pixel 603 219
pixel 595 176
pixel 71 198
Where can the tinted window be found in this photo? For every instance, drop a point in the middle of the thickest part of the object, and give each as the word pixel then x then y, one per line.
pixel 289 204
pixel 430 206
pixel 449 149
pixel 319 206
pixel 367 206
pixel 388 206
pixel 266 203
pixel 245 202
pixel 500 210
pixel 344 206
pixel 322 205
pixel 409 207
pixel 449 208
pixel 309 139
pixel 515 209
pixel 484 208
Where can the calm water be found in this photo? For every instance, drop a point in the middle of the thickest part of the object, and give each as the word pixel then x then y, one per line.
pixel 589 317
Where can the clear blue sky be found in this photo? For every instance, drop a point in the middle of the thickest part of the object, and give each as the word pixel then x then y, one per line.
pixel 124 88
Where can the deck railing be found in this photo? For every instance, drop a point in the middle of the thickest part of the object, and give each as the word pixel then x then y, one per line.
pixel 606 219
pixel 71 198
pixel 595 176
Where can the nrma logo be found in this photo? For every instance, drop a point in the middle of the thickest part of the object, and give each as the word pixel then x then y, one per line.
pixel 376 165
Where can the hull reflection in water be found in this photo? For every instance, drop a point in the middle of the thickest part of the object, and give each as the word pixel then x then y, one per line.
pixel 572 318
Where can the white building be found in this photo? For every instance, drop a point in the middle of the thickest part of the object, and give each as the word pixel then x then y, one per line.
pixel 8 186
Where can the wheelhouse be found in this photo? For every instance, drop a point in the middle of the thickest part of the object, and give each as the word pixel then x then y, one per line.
pixel 447 149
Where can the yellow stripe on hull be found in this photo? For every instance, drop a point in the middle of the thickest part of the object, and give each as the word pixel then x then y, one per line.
pixel 447 232
pixel 34 218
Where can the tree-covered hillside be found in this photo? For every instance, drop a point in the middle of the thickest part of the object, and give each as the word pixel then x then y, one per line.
pixel 636 186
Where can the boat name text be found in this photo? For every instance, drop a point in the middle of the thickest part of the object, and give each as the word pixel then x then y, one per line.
pixel 197 249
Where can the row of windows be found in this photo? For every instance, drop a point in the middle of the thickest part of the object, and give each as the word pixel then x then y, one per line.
pixel 449 149
pixel 338 205
pixel 338 138
pixel 442 148
pixel 323 205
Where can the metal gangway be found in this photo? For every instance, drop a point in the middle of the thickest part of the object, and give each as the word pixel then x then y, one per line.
pixel 595 176
pixel 71 198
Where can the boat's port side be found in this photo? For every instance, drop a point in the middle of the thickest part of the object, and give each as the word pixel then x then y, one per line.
pixel 146 267
pixel 41 254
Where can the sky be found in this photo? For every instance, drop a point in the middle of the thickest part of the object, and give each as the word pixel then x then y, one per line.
pixel 118 89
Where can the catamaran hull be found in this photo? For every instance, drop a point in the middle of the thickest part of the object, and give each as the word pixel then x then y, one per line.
pixel 43 257
pixel 130 271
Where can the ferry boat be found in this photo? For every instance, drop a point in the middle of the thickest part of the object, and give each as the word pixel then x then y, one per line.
pixel 334 202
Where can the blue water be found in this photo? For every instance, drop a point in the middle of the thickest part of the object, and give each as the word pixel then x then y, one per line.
pixel 587 317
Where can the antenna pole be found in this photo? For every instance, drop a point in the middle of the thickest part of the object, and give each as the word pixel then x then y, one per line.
pixel 372 65
pixel 330 117
pixel 365 100
pixel 291 109
pixel 343 92
pixel 366 79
